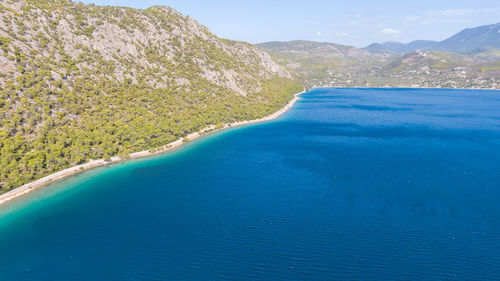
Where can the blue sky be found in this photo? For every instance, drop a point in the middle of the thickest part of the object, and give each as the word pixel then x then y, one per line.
pixel 353 22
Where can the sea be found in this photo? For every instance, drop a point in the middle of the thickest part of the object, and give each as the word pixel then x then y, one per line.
pixel 350 184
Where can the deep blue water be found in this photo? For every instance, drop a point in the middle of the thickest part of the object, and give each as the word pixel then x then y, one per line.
pixel 350 184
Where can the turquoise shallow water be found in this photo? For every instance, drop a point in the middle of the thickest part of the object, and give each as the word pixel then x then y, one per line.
pixel 351 184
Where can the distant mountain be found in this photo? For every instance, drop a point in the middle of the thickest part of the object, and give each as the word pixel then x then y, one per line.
pixel 379 49
pixel 467 41
pixel 308 48
pixel 393 45
pixel 424 45
pixel 315 61
pixel 465 60
pixel 470 40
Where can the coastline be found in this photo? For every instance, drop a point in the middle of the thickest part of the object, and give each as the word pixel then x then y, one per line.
pixel 411 88
pixel 22 190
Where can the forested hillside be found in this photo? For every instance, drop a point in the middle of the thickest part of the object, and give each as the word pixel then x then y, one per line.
pixel 81 82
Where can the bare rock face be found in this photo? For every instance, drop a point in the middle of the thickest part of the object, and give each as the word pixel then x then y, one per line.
pixel 157 39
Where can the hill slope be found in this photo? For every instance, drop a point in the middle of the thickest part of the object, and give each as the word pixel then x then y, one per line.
pixel 316 62
pixel 326 64
pixel 308 48
pixel 80 82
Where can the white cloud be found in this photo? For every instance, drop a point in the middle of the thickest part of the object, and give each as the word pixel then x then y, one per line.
pixel 459 12
pixel 452 16
pixel 341 34
pixel 389 32
pixel 443 20
pixel 318 34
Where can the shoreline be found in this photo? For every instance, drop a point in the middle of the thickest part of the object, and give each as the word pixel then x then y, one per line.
pixel 410 88
pixel 24 189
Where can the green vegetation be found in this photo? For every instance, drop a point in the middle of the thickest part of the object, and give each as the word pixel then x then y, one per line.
pixel 326 64
pixel 488 53
pixel 4 43
pixel 91 88
pixel 493 66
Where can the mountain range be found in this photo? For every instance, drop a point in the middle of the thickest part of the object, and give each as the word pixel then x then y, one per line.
pixel 468 41
pixel 469 59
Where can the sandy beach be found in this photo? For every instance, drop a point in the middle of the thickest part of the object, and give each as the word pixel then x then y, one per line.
pixel 20 191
